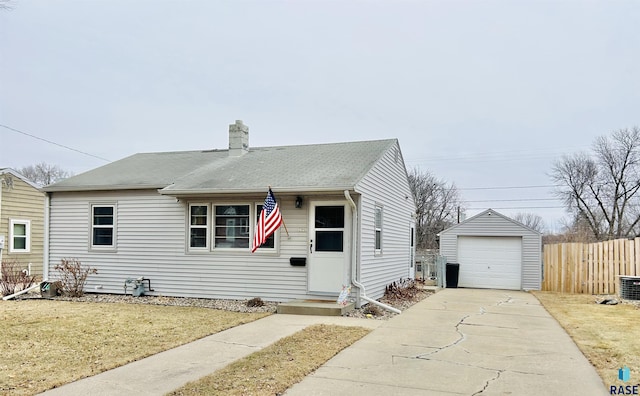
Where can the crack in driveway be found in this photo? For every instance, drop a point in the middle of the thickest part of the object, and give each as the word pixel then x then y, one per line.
pixel 489 381
pixel 461 338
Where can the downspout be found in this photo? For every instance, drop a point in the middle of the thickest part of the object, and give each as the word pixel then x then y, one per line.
pixel 9 297
pixel 6 241
pixel 354 260
pixel 45 261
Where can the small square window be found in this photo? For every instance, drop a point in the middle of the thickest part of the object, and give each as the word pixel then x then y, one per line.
pixel 20 236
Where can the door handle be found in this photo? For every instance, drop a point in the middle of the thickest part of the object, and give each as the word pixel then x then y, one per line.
pixel 310 245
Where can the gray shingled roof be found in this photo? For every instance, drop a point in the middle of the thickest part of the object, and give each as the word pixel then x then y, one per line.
pixel 297 168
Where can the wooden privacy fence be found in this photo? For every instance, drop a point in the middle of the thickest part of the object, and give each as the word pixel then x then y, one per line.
pixel 592 268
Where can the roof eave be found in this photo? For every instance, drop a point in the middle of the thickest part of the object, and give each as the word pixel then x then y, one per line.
pixel 291 190
pixel 103 188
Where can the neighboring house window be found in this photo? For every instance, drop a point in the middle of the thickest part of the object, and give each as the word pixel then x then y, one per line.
pixel 103 226
pixel 20 236
pixel 378 228
pixel 231 227
pixel 270 243
pixel 198 225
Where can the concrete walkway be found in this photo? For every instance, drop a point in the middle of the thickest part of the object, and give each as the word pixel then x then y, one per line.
pixel 456 342
pixel 461 342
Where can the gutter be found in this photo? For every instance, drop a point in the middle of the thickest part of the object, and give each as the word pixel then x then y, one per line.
pixel 113 187
pixel 278 190
pixel 354 260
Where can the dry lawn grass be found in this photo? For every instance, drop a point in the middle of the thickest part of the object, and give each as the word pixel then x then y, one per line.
pixel 46 343
pixel 279 366
pixel 606 334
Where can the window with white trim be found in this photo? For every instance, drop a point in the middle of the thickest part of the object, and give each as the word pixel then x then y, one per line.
pixel 198 226
pixel 378 229
pixel 231 227
pixel 20 236
pixel 103 226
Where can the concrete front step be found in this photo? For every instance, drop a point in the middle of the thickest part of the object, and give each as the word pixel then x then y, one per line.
pixel 314 307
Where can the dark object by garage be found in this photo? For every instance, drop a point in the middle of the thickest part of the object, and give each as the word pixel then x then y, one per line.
pixel 452 272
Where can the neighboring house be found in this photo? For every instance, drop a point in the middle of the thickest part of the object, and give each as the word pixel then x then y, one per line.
pixel 185 220
pixel 494 252
pixel 21 221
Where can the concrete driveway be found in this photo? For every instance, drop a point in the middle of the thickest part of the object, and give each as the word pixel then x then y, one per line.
pixel 461 342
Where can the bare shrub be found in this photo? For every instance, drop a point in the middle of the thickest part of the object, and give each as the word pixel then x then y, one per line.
pixel 13 278
pixel 255 302
pixel 73 276
pixel 371 309
pixel 403 289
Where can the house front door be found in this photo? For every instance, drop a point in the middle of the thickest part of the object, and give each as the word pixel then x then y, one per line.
pixel 329 246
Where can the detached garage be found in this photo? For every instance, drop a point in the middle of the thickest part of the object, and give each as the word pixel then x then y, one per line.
pixel 494 252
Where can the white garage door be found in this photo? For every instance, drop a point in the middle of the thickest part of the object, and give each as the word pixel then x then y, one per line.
pixel 490 262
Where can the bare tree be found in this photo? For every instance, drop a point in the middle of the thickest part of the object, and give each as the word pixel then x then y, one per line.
pixel 6 5
pixel 531 220
pixel 437 205
pixel 601 190
pixel 44 173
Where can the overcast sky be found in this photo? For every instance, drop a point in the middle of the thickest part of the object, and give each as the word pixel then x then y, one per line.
pixel 483 94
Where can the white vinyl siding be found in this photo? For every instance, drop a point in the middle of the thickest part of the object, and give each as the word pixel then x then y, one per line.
pixel 386 184
pixel 152 242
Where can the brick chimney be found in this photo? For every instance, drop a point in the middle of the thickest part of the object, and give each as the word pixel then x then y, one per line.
pixel 238 139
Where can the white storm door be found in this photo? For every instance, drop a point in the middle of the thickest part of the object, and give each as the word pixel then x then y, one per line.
pixel 328 246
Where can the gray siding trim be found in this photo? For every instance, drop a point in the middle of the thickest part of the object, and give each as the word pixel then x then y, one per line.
pixel 491 223
pixel 387 185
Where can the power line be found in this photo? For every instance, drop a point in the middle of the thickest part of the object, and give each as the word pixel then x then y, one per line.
pixel 513 200
pixel 520 207
pixel 54 143
pixel 509 187
pixel 499 155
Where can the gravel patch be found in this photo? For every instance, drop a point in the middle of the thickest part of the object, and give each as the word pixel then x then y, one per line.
pixel 369 311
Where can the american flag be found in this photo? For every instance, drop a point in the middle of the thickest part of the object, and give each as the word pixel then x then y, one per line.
pixel 268 222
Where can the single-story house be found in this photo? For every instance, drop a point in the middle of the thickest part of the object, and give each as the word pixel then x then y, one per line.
pixel 494 252
pixel 185 221
pixel 21 222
